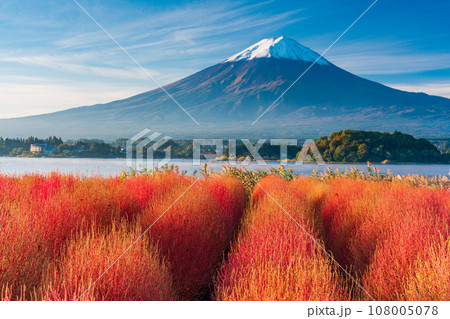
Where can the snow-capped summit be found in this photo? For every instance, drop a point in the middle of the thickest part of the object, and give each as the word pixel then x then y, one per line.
pixel 279 48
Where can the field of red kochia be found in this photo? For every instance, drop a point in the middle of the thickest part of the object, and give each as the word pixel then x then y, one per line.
pixel 167 236
pixel 59 234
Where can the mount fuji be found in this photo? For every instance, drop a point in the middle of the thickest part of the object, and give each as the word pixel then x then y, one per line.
pixel 280 48
pixel 226 98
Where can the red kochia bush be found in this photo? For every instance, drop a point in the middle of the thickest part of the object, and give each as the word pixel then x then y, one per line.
pixel 35 221
pixel 273 258
pixel 195 232
pixel 383 231
pixel 139 274
pixel 431 278
pixel 39 213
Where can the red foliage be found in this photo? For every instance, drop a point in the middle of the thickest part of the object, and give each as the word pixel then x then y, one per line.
pixel 380 230
pixel 195 232
pixel 139 274
pixel 273 258
pixel 40 214
pixel 58 233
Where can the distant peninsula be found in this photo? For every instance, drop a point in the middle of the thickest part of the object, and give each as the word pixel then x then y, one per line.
pixel 361 146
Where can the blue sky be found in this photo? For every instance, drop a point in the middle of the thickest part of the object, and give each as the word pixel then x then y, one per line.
pixel 53 57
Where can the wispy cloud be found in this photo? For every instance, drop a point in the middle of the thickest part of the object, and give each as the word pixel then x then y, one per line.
pixel 373 63
pixel 186 32
pixel 377 57
pixel 170 43
pixel 82 41
pixel 61 59
pixel 44 95
pixel 73 63
pixel 439 89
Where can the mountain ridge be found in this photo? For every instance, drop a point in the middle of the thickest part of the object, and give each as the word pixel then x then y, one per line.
pixel 227 97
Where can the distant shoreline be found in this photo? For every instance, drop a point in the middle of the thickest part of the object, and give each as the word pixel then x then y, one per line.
pixel 343 147
pixel 226 161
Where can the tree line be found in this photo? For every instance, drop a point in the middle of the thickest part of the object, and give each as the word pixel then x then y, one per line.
pixel 347 146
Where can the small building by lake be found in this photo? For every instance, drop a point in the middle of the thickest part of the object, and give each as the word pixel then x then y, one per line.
pixel 41 148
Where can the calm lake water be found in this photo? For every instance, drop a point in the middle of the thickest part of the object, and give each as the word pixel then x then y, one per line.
pixel 113 167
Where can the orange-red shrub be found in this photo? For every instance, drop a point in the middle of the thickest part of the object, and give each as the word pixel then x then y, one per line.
pixel 273 258
pixel 195 232
pixel 430 279
pixel 40 213
pixel 59 232
pixel 381 231
pixel 92 270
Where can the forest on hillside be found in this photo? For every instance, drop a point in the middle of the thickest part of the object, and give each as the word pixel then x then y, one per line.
pixel 361 146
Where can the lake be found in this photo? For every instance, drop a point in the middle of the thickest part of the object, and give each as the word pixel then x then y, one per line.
pixel 113 167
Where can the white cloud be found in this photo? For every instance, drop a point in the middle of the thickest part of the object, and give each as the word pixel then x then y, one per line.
pixel 439 89
pixel 373 63
pixel 76 64
pixel 43 96
pixel 84 40
pixel 372 56
pixel 184 31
